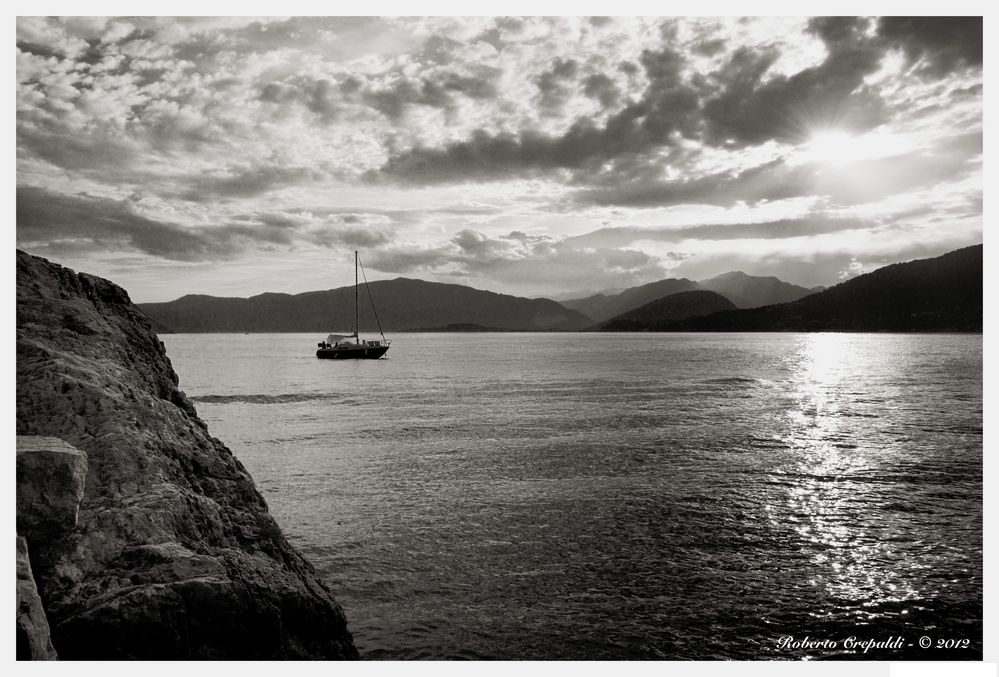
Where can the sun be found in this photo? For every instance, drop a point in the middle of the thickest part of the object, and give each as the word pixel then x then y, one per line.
pixel 837 147
pixel 832 146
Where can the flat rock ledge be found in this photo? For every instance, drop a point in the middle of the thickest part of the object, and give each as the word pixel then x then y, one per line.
pixel 51 476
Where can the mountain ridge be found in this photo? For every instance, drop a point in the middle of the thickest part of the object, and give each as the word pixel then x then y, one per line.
pixel 660 313
pixel 742 289
pixel 752 291
pixel 401 304
pixel 410 304
pixel 939 294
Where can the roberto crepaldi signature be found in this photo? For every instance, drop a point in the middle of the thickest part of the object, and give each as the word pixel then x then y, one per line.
pixel 865 644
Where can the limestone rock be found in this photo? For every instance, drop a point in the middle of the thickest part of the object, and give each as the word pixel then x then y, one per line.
pixel 51 476
pixel 174 554
pixel 33 640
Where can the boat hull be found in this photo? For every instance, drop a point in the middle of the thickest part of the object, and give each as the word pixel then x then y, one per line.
pixel 358 353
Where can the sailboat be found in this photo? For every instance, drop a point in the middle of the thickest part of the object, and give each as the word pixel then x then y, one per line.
pixel 341 347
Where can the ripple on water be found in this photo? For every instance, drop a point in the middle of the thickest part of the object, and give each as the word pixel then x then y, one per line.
pixel 620 497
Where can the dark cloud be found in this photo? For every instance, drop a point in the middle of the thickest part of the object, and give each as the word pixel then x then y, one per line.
pixel 355 230
pixel 45 217
pixel 353 236
pixel 743 103
pixel 755 106
pixel 249 107
pixel 408 260
pixel 628 68
pixel 96 151
pixel 521 260
pixel 437 90
pixel 321 97
pixel 839 30
pixel 43 51
pixel 390 94
pixel 940 43
pixel 245 182
pixel 859 182
pixel 709 46
pixel 276 219
pixel 602 88
pixel 973 92
pixel 771 181
pixel 555 85
pixel 668 106
pixel 784 228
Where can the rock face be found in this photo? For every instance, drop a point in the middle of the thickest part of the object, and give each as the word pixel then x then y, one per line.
pixel 33 640
pixel 174 554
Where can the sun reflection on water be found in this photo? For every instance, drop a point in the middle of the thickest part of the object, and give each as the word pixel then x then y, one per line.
pixel 828 502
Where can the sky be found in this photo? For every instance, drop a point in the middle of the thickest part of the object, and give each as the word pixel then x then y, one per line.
pixel 536 156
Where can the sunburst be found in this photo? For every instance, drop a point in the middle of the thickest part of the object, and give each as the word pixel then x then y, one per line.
pixel 838 148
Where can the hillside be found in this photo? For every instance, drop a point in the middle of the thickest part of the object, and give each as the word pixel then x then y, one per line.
pixel 934 295
pixel 402 304
pixel 745 291
pixel 601 307
pixel 750 291
pixel 662 312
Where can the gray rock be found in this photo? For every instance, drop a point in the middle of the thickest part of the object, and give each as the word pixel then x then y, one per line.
pixel 51 476
pixel 174 555
pixel 33 640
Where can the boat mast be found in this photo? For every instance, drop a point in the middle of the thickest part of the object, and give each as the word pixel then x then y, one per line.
pixel 357 328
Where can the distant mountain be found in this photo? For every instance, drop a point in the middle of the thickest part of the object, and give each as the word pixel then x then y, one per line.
pixel 745 291
pixel 401 304
pixel 749 291
pixel 941 294
pixel 601 307
pixel 663 312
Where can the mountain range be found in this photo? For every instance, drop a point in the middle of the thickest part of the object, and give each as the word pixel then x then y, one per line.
pixel 744 291
pixel 940 294
pixel 662 312
pixel 401 304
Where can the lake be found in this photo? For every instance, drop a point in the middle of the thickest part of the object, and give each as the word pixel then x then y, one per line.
pixel 620 496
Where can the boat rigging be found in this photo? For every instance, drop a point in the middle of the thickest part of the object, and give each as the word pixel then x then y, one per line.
pixel 340 347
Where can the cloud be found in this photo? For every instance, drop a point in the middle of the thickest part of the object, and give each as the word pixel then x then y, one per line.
pixel 667 106
pixel 437 89
pixel 809 268
pixel 939 43
pixel 856 182
pixel 246 181
pixel 754 105
pixel 781 229
pixel 556 85
pixel 330 228
pixel 321 97
pixel 602 88
pixel 86 222
pixel 77 153
pixel 421 139
pixel 522 262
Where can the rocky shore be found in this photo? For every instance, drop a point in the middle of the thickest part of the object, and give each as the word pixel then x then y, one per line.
pixel 140 536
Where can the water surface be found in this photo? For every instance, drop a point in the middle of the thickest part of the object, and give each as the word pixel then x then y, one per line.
pixel 640 496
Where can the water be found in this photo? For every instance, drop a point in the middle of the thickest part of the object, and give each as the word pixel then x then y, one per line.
pixel 639 496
